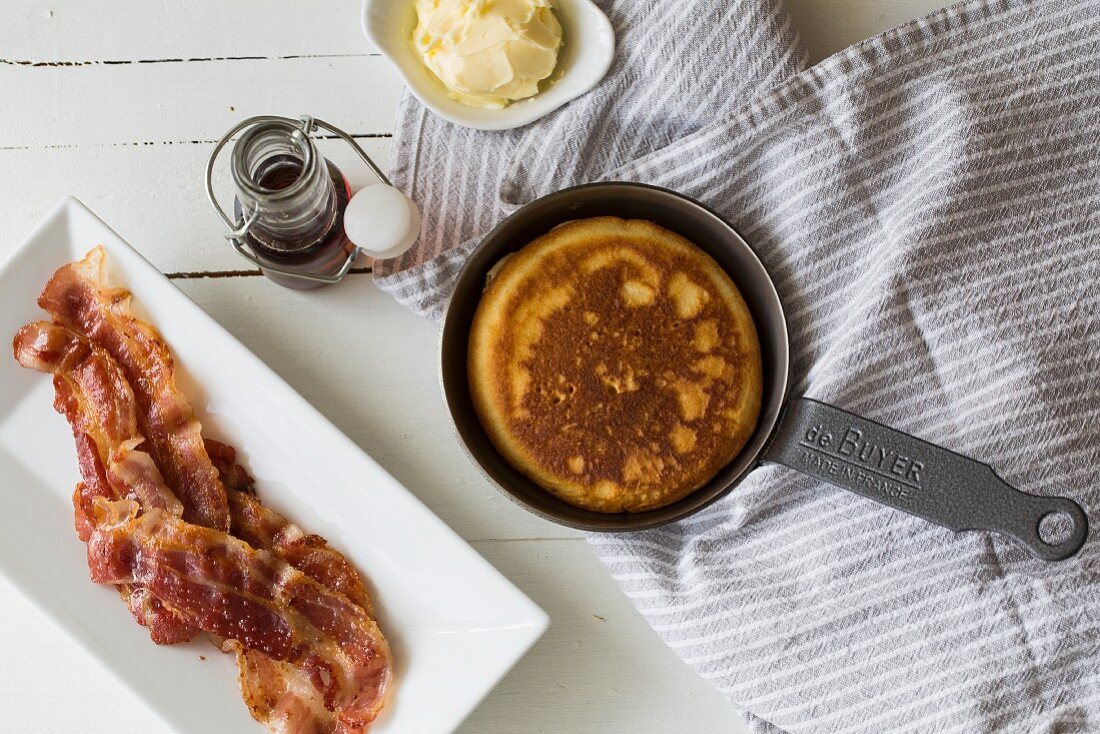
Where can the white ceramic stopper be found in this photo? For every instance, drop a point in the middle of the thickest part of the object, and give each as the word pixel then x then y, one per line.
pixel 381 221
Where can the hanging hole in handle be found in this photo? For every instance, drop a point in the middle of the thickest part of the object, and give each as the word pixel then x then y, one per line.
pixel 1055 528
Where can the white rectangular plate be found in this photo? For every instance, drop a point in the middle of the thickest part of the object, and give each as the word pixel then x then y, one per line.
pixel 455 624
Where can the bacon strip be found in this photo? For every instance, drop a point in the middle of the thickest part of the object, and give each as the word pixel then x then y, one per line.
pixel 92 394
pixel 251 598
pixel 295 612
pixel 263 528
pixel 281 695
pixel 76 298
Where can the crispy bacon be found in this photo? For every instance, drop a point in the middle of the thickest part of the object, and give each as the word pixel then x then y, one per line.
pixel 76 298
pixel 233 475
pixel 266 529
pixel 263 528
pixel 283 696
pixel 293 610
pixel 92 394
pixel 251 598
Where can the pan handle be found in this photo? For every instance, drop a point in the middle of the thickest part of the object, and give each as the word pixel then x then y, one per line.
pixel 920 478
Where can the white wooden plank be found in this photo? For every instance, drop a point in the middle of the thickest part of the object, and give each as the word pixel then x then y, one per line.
pixel 151 194
pixel 828 27
pixel 599 669
pixel 371 368
pixel 59 30
pixel 56 688
pixel 77 30
pixel 179 102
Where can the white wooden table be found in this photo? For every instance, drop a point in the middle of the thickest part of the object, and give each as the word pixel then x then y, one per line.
pixel 119 103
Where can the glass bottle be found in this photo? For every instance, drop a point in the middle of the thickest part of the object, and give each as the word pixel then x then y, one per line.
pixel 295 200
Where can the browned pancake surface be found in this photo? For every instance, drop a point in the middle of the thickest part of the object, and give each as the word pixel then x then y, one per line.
pixel 615 364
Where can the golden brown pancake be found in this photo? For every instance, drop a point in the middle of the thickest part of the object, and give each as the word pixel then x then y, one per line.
pixel 615 364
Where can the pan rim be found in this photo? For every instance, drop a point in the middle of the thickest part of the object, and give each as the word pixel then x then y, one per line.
pixel 750 456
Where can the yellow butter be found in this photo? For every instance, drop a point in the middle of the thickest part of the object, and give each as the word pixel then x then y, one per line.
pixel 488 53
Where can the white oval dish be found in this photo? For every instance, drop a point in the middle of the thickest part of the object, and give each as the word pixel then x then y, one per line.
pixel 589 48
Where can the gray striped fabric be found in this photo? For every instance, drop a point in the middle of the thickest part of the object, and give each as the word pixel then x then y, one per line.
pixel 928 202
pixel 676 69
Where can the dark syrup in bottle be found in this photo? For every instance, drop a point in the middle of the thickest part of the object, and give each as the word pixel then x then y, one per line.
pixel 321 252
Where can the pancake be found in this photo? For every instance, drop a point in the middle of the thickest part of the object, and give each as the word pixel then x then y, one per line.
pixel 615 364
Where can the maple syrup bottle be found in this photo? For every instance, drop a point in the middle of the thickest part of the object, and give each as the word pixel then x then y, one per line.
pixel 298 198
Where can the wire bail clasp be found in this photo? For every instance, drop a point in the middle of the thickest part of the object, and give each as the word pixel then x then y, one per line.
pixel 238 228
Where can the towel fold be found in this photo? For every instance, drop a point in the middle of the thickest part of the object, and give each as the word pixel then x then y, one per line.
pixel 678 66
pixel 928 202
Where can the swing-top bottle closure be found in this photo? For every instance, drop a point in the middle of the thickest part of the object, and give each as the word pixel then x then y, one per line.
pixel 294 215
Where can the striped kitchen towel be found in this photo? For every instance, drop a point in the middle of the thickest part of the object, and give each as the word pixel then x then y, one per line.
pixel 678 66
pixel 928 202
